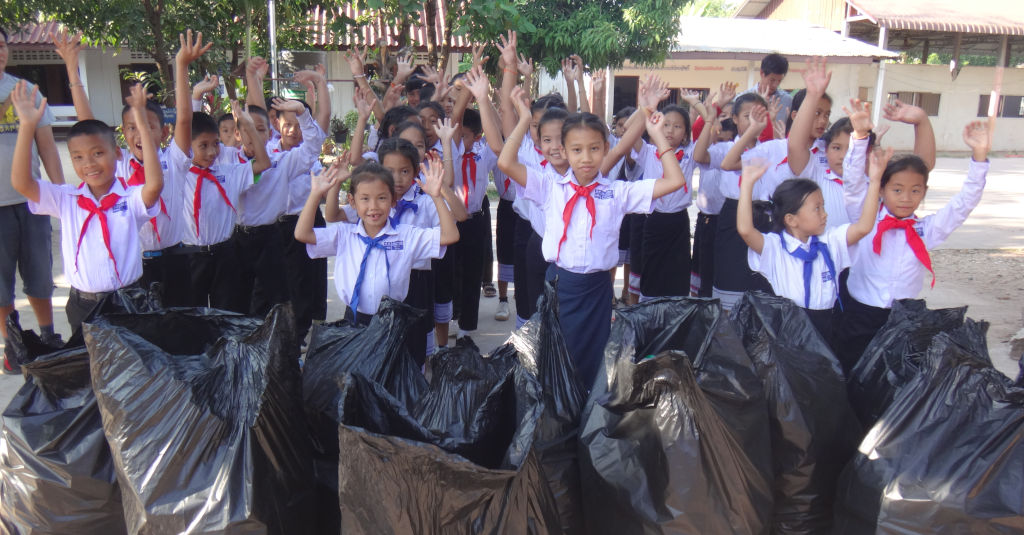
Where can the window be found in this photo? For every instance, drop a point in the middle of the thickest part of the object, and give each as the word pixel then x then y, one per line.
pixel 51 79
pixel 1009 106
pixel 929 102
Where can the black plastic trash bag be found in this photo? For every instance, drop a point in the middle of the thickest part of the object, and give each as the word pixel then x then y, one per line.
pixel 702 330
pixel 202 411
pixel 947 456
pixel 396 476
pixel 377 352
pixel 891 359
pixel 540 350
pixel 814 430
pixel 56 474
pixel 658 458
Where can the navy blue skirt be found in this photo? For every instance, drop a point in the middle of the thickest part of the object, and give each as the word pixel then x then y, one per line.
pixel 585 315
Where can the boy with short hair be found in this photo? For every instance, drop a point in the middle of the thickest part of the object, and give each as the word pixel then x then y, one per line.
pixel 101 218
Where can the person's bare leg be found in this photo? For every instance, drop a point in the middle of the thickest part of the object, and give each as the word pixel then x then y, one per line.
pixel 503 289
pixel 43 309
pixel 441 334
pixel 625 283
pixel 4 312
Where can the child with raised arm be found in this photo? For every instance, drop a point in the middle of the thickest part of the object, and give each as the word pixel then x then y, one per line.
pixel 162 258
pixel 802 257
pixel 890 264
pixel 212 189
pixel 374 258
pixel 101 218
pixel 583 211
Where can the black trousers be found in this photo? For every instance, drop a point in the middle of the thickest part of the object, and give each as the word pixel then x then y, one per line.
pixel 858 323
pixel 732 272
pixel 306 277
pixel 215 277
pixel 421 295
pixel 536 271
pixel 261 269
pixel 520 240
pixel 636 241
pixel 666 252
pixel 505 235
pixel 703 261
pixel 169 268
pixel 81 304
pixel 487 274
pixel 822 321
pixel 468 262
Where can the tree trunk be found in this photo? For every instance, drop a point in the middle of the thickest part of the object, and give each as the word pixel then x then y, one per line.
pixel 154 17
pixel 446 40
pixel 430 11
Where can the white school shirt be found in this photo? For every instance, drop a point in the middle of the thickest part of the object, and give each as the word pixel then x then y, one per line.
pixel 729 181
pixel 268 198
pixel 709 198
pixel 855 179
pixel 776 153
pixel 529 156
pixel 616 169
pixel 678 200
pixel 475 187
pixel 406 246
pixel 879 279
pixel 818 170
pixel 425 217
pixel 216 218
pixel 786 273
pixel 170 225
pixel 94 271
pixel 582 251
pixel 229 155
pixel 504 185
pixel 299 188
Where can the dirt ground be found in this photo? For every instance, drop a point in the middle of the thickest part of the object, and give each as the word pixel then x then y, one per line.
pixel 989 282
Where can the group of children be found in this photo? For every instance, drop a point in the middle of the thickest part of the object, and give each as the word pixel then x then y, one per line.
pixel 809 210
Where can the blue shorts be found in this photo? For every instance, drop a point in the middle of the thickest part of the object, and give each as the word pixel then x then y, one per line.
pixel 25 245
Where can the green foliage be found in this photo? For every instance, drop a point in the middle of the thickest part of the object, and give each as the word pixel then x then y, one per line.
pixel 605 33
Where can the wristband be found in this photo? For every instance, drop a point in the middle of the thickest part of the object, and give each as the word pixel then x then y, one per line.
pixel 358 76
pixel 660 154
pixel 77 84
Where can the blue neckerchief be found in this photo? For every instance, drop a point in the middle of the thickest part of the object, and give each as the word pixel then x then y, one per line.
pixel 807 257
pixel 401 208
pixel 371 243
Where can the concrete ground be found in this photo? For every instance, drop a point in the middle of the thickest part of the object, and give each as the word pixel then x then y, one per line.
pixel 998 223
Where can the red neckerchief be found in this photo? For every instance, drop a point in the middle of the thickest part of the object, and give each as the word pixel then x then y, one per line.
pixel 581 191
pixel 138 178
pixel 468 160
pixel 106 203
pixel 197 199
pixel 913 240
pixel 837 180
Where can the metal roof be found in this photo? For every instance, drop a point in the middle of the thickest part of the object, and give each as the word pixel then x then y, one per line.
pixel 34 35
pixel 1000 17
pixel 753 38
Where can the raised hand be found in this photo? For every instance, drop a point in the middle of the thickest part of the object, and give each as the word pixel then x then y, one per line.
pixel 904 113
pixel 521 99
pixel 356 59
pixel 406 64
pixel 445 130
pixel 779 128
pixel 430 75
pixel 578 64
pixel 569 69
pixel 753 170
pixel 477 83
pixel 136 98
pixel 308 77
pixel 478 56
pixel 726 92
pixel 860 117
pixel 283 105
pixel 326 179
pixel 67 46
pixel 363 101
pixel 979 139
pixel 690 97
pixel 507 47
pixel 392 96
pixel 758 118
pixel 242 116
pixel 191 50
pixel 652 92
pixel 597 80
pixel 207 85
pixel 655 130
pixel 24 102
pixel 525 65
pixel 774 105
pixel 878 161
pixel 432 173
pixel 816 77
pixel 257 67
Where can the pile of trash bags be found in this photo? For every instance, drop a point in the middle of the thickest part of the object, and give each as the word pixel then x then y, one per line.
pixel 193 420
